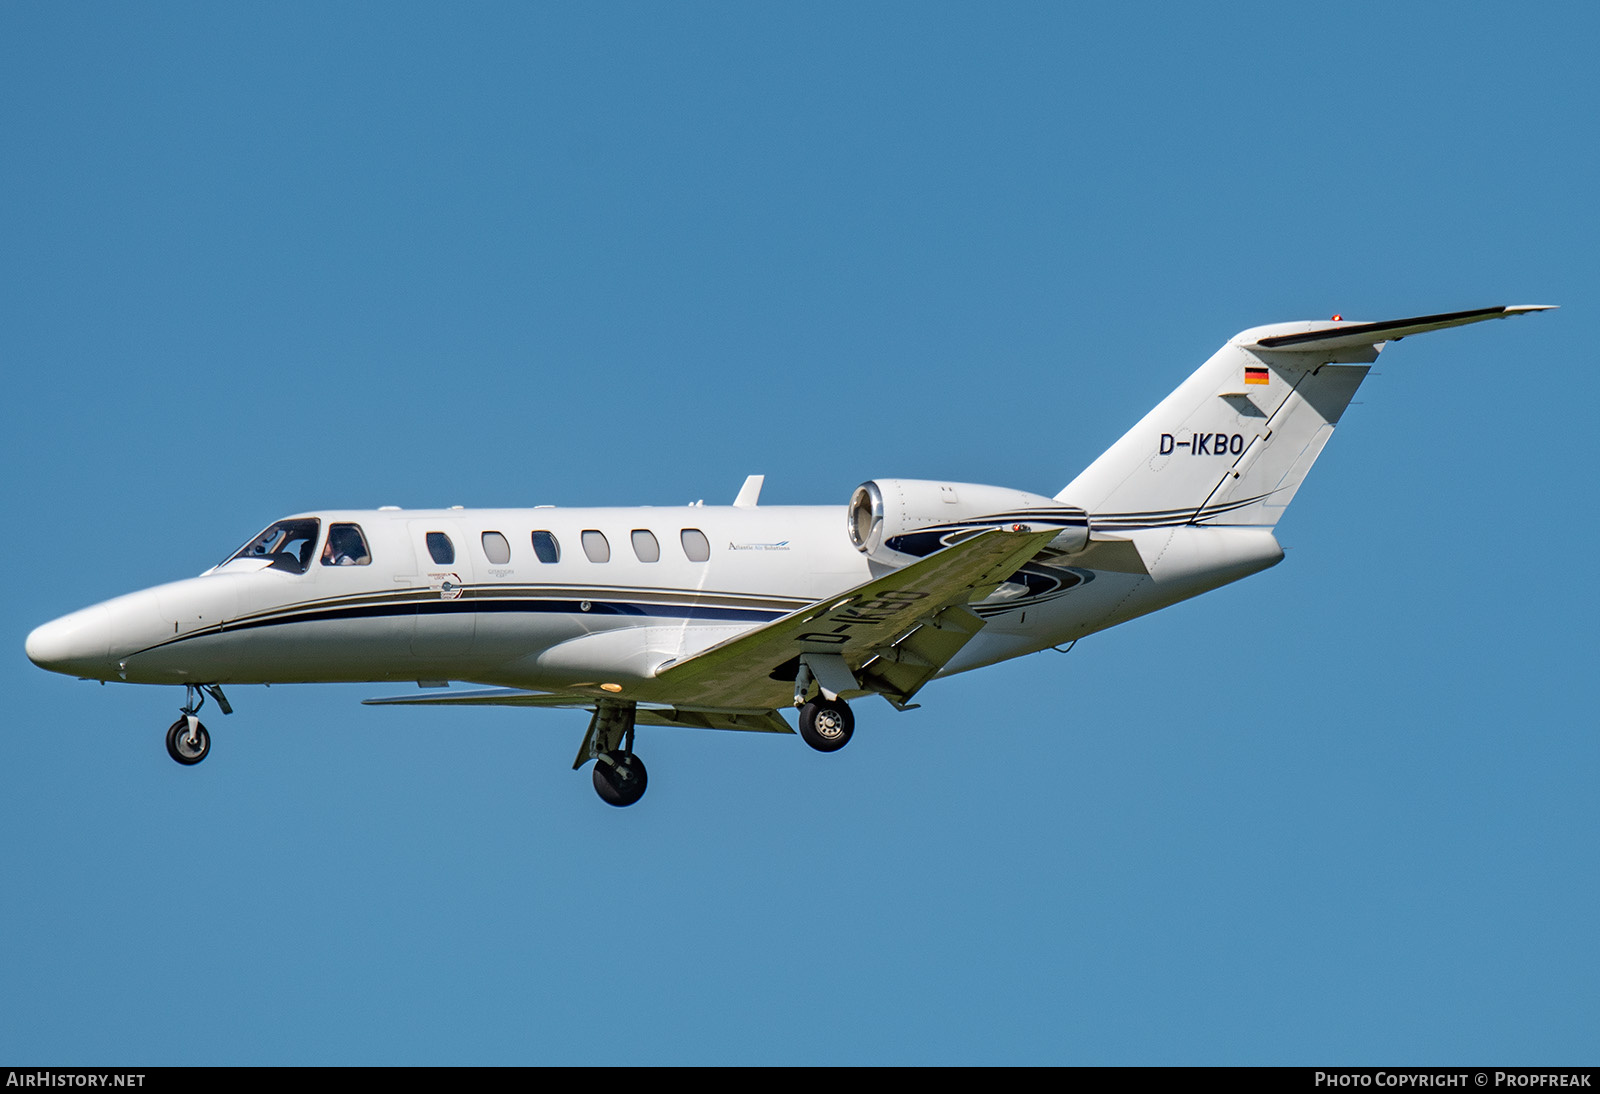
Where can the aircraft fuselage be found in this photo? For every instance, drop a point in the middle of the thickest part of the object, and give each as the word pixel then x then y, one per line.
pixel 496 613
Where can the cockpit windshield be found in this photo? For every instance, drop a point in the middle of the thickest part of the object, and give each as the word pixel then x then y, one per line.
pixel 288 545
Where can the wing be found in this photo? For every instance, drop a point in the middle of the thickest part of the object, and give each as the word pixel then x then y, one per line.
pixel 891 635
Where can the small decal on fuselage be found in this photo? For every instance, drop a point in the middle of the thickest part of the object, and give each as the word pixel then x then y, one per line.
pixel 781 545
pixel 1204 444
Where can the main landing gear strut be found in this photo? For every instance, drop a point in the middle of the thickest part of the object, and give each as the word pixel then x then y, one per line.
pixel 187 740
pixel 619 775
pixel 825 724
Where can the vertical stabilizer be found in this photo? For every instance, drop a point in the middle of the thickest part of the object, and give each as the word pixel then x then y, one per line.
pixel 1233 443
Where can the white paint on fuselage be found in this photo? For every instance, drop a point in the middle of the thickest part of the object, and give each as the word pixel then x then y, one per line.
pixel 237 622
pixel 547 626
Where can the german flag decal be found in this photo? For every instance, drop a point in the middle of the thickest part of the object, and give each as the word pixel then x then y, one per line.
pixel 1255 376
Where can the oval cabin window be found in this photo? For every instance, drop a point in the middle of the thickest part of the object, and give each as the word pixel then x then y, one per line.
pixel 441 549
pixel 595 546
pixel 695 544
pixel 645 545
pixel 496 549
pixel 546 547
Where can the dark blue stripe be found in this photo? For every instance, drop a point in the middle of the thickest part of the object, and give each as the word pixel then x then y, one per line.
pixel 536 607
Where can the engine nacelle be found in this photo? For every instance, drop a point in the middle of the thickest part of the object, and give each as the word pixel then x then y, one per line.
pixel 897 521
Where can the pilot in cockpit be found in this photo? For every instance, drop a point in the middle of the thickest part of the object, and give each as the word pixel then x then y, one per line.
pixel 346 547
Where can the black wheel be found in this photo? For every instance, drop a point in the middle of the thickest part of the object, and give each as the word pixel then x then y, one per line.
pixel 622 781
pixel 183 748
pixel 826 724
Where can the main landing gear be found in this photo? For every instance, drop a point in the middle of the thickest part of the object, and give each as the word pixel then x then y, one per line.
pixel 826 724
pixel 619 775
pixel 187 740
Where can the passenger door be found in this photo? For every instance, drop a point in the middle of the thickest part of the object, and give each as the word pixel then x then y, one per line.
pixel 445 620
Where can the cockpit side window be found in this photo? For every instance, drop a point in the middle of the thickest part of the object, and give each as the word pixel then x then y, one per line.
pixel 287 545
pixel 346 546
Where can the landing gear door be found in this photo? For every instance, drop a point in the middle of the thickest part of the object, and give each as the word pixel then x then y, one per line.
pixel 445 619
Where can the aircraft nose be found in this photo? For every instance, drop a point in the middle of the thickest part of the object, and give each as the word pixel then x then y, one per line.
pixel 77 644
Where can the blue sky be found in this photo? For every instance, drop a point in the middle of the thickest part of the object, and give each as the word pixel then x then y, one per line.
pixel 258 261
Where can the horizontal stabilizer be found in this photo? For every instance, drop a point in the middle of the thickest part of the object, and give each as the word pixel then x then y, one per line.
pixel 1343 335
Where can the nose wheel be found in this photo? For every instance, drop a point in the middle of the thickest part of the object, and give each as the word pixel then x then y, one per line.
pixel 187 741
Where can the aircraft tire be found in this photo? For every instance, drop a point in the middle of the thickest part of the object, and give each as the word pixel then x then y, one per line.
pixel 826 724
pixel 620 783
pixel 179 747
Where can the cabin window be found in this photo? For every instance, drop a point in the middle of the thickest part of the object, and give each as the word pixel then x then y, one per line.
pixel 346 546
pixel 595 546
pixel 496 549
pixel 695 544
pixel 546 547
pixel 440 547
pixel 288 545
pixel 645 545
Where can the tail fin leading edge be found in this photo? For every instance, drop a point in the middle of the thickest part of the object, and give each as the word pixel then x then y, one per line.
pixel 1234 442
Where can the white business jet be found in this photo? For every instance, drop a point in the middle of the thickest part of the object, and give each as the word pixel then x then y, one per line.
pixel 716 617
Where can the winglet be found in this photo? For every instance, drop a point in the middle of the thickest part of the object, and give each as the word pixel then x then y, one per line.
pixel 750 492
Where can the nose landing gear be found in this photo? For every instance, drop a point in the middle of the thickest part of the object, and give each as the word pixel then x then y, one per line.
pixel 187 740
